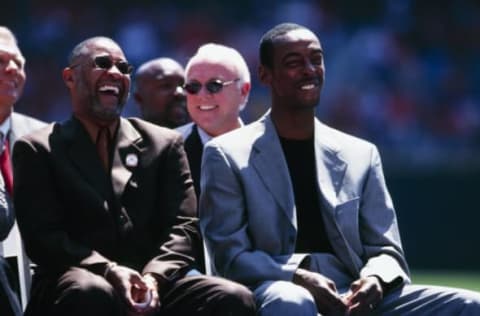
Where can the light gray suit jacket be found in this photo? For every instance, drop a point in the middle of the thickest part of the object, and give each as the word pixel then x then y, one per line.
pixel 21 125
pixel 248 216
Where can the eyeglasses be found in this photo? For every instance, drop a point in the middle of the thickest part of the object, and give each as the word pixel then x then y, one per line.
pixel 213 86
pixel 105 62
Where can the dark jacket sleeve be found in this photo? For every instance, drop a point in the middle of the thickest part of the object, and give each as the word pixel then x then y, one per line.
pixel 40 216
pixel 178 252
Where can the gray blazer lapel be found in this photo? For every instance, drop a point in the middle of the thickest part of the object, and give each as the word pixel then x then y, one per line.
pixel 126 157
pixel 330 173
pixel 269 162
pixel 330 168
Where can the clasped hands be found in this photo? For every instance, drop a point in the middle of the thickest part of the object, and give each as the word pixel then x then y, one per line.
pixel 140 293
pixel 365 293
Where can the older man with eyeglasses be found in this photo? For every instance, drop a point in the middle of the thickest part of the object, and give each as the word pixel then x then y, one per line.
pixel 217 87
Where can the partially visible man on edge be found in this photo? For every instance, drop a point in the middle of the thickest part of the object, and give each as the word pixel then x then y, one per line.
pixel 106 207
pixel 12 126
pixel 300 212
pixel 217 87
pixel 159 92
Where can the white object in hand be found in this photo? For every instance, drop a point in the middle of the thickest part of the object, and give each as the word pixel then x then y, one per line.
pixel 147 300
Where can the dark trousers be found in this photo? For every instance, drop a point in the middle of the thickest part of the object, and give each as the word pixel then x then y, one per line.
pixel 9 304
pixel 80 292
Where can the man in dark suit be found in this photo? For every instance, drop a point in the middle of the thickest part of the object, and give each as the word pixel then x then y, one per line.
pixel 217 87
pixel 106 207
pixel 12 126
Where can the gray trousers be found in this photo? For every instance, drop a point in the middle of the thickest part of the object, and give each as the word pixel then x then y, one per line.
pixel 283 298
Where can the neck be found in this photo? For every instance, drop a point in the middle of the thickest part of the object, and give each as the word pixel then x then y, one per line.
pixel 294 124
pixel 5 113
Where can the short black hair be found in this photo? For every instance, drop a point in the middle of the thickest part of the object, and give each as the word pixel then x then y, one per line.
pixel 267 40
pixel 82 47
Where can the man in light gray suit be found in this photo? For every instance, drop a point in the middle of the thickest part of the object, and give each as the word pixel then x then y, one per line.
pixel 300 212
pixel 12 127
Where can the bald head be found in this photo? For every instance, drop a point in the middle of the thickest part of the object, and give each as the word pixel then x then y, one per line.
pixel 84 48
pixel 158 67
pixel 159 92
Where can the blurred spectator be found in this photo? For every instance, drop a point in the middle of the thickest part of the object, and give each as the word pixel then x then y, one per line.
pixel 159 92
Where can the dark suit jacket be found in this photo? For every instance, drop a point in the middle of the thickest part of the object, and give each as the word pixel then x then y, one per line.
pixel 194 149
pixel 70 213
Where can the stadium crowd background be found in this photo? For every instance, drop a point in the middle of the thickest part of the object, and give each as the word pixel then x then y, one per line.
pixel 403 74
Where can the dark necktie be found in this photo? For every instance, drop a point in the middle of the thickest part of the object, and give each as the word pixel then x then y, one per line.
pixel 6 166
pixel 103 140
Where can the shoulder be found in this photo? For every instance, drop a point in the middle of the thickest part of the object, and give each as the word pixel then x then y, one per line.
pixel 350 147
pixel 185 130
pixel 23 124
pixel 242 137
pixel 154 133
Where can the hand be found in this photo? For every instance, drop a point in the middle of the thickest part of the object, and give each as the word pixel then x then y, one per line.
pixel 134 289
pixel 147 302
pixel 323 291
pixel 364 295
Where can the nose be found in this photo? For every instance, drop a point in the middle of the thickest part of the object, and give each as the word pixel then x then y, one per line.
pixel 309 66
pixel 12 66
pixel 115 72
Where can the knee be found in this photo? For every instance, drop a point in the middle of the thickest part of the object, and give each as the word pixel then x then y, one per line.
pixel 284 298
pixel 89 294
pixel 236 299
pixel 97 294
pixel 470 301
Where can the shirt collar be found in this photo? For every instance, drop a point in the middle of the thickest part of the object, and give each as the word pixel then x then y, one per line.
pixel 204 137
pixel 5 128
pixel 93 129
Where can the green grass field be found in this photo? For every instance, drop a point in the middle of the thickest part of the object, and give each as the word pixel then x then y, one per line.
pixel 462 279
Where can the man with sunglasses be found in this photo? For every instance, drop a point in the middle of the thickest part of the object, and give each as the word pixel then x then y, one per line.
pixel 12 126
pixel 159 92
pixel 217 87
pixel 107 208
pixel 300 211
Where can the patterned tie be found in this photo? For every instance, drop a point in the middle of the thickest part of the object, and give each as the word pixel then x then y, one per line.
pixel 102 143
pixel 6 166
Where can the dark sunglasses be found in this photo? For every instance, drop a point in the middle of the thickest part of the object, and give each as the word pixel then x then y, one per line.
pixel 213 86
pixel 105 62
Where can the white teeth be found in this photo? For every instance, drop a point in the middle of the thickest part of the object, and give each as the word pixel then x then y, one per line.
pixel 307 87
pixel 108 88
pixel 207 107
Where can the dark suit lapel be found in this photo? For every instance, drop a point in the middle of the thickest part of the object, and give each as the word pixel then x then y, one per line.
pixel 126 156
pixel 269 162
pixel 83 154
pixel 194 150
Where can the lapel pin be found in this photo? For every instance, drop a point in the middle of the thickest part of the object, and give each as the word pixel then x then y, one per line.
pixel 131 160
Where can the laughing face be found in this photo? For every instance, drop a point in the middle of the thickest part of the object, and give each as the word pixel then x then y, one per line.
pixel 216 113
pixel 298 71
pixel 12 72
pixel 99 89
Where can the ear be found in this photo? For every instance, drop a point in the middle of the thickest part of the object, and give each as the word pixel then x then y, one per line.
pixel 246 86
pixel 265 75
pixel 67 75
